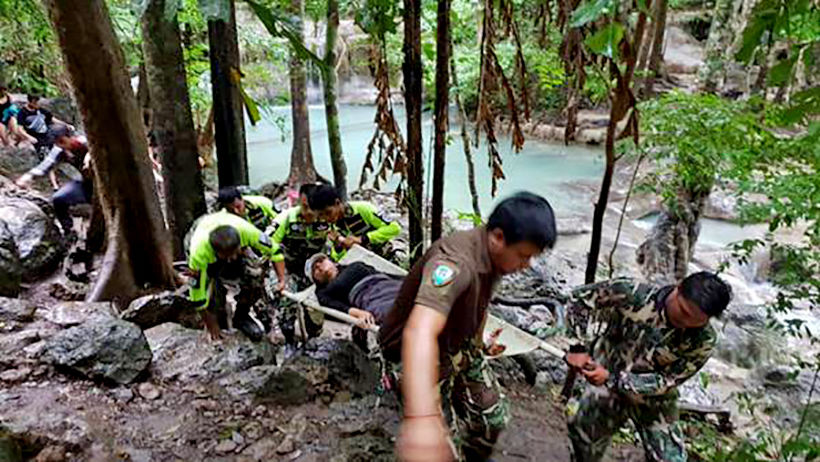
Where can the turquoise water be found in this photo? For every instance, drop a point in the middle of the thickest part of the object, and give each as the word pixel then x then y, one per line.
pixel 539 167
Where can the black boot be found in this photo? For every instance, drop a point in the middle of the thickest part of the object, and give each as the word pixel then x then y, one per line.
pixel 243 322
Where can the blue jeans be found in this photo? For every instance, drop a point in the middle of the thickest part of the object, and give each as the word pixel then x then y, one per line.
pixel 71 193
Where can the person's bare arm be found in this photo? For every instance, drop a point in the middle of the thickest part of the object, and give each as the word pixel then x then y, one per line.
pixel 423 432
pixel 52 176
pixel 279 267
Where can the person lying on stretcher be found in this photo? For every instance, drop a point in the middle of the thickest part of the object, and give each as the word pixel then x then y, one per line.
pixel 357 289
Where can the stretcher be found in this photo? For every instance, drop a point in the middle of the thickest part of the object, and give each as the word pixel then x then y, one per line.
pixel 516 340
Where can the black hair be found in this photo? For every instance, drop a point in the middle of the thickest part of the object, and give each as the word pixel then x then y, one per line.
pixel 307 188
pixel 33 97
pixel 322 196
pixel 224 239
pixel 525 216
pixel 706 290
pixel 227 195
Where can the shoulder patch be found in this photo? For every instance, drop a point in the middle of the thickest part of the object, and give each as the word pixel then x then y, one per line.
pixel 442 275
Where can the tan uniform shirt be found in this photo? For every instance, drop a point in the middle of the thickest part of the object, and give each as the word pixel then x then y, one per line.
pixel 454 277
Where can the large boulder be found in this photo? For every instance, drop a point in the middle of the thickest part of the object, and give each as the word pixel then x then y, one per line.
pixel 17 161
pixel 11 268
pixel 70 314
pixel 186 354
pixel 152 310
pixel 110 350
pixel 39 242
pixel 15 310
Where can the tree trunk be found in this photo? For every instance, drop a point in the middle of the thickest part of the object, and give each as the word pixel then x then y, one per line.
pixel 334 136
pixel 465 137
pixel 665 255
pixel 603 200
pixel 172 123
pixel 656 55
pixel 301 157
pixel 441 115
pixel 143 94
pixel 411 69
pixel 138 252
pixel 716 44
pixel 229 122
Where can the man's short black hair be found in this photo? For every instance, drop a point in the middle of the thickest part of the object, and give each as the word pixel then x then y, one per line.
pixel 227 195
pixel 33 97
pixel 706 290
pixel 322 197
pixel 525 216
pixel 224 239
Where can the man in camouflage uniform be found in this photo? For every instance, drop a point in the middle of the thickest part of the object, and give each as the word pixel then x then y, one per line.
pixel 655 338
pixel 452 401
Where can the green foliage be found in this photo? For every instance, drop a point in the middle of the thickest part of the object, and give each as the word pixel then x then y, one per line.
pixel 30 61
pixel 694 139
pixel 591 11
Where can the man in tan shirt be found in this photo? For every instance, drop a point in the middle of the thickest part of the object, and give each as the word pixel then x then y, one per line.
pixel 435 330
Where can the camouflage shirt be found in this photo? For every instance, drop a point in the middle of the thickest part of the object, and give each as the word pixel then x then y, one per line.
pixel 644 354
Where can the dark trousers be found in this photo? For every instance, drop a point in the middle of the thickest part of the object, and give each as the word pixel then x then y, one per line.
pixel 71 193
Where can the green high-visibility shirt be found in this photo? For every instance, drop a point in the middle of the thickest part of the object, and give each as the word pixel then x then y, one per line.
pixel 295 239
pixel 362 219
pixel 202 254
pixel 260 211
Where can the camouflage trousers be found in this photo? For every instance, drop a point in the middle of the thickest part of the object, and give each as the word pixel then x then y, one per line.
pixel 247 276
pixel 602 413
pixel 473 404
pixel 288 312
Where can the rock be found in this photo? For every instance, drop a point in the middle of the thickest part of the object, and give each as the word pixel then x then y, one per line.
pixel 520 318
pixel 17 161
pixel 286 446
pixel 68 314
pixel 253 431
pixel 12 344
pixel 747 346
pixel 11 268
pixel 280 385
pixel 68 291
pixel 351 370
pixel 39 242
pixel 721 205
pixel 148 391
pixel 185 354
pixel 16 310
pixel 153 310
pixel 225 447
pixel 51 454
pixel 15 375
pixel 123 395
pixel 262 450
pixel 109 350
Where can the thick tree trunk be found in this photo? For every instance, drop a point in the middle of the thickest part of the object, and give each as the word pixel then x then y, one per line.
pixel 143 94
pixel 665 255
pixel 138 252
pixel 656 54
pixel 441 115
pixel 412 99
pixel 229 122
pixel 716 44
pixel 301 157
pixel 334 135
pixel 172 123
pixel 465 137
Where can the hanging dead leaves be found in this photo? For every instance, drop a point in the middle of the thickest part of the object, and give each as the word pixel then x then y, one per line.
pixel 493 79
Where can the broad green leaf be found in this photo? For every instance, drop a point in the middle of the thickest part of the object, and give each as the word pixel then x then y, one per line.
pixel 281 26
pixel 591 10
pixel 643 7
pixel 781 72
pixel 605 41
pixel 250 105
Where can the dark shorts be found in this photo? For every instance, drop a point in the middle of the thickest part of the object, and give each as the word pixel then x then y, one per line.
pixel 376 294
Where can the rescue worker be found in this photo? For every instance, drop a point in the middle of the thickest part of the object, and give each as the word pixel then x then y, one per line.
pixel 354 222
pixel 297 236
pixel 258 210
pixel 220 254
pixel 655 339
pixel 435 331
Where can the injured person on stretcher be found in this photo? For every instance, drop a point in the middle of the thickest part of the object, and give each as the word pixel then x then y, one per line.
pixel 357 289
